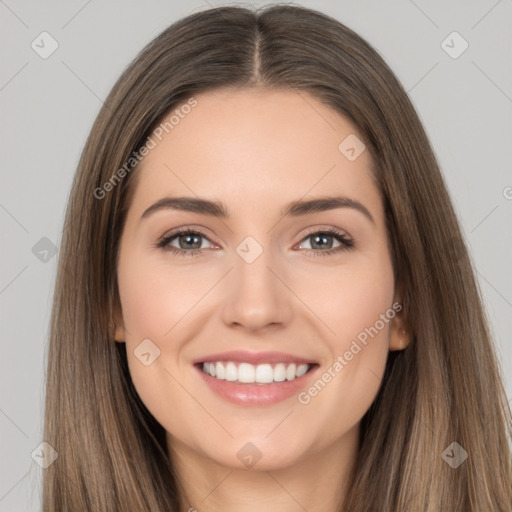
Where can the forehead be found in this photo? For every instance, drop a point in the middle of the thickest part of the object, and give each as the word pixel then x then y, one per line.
pixel 249 147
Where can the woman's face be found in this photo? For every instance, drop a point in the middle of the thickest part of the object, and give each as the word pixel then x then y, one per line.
pixel 264 292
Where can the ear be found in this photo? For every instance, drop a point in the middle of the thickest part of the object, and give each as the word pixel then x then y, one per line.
pixel 117 328
pixel 400 333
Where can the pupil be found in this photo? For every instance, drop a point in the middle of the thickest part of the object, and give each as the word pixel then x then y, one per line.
pixel 321 237
pixel 191 237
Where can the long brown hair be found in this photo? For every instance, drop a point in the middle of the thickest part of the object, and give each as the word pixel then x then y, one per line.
pixel 445 387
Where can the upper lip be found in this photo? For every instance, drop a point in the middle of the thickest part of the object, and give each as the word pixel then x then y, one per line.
pixel 241 356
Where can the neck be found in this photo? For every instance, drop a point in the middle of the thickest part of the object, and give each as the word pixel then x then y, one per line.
pixel 316 482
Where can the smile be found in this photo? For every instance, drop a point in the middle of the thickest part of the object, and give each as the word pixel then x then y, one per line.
pixel 249 373
pixel 255 379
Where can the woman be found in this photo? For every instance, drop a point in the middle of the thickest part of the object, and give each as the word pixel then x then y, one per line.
pixel 242 371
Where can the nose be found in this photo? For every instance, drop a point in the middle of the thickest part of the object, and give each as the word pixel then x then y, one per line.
pixel 256 295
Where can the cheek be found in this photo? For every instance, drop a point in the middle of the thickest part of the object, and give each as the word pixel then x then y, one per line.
pixel 154 299
pixel 359 312
pixel 155 305
pixel 161 303
pixel 355 302
pixel 350 299
pixel 365 296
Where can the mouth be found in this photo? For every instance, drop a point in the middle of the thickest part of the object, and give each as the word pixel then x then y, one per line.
pixel 245 378
pixel 246 373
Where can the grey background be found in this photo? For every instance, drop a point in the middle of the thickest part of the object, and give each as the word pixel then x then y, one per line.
pixel 48 106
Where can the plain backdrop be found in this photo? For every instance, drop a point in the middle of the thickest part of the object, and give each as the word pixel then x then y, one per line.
pixel 464 99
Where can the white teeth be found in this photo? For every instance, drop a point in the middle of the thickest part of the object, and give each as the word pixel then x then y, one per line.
pixel 290 372
pixel 264 373
pixel 260 374
pixel 246 373
pixel 219 370
pixel 280 372
pixel 231 372
pixel 301 370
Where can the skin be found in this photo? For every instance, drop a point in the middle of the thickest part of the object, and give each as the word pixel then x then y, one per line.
pixel 256 151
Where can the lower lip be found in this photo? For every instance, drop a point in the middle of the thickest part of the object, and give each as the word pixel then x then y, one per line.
pixel 256 394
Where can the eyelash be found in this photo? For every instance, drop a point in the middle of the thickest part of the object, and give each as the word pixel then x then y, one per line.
pixel 346 243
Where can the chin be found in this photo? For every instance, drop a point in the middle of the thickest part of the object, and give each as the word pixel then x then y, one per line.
pixel 256 453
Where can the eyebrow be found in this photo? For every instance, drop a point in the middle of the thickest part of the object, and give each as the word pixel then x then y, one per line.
pixel 293 209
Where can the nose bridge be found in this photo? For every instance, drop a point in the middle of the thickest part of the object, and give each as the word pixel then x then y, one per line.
pixel 256 296
pixel 252 266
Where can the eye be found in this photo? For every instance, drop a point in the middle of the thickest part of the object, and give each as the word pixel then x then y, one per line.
pixel 321 239
pixel 190 243
pixel 186 239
